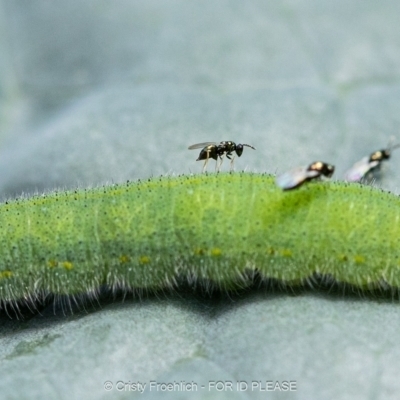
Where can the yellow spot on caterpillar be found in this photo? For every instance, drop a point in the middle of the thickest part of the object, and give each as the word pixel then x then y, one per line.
pixel 286 253
pixel 359 259
pixel 52 263
pixel 216 252
pixel 5 274
pixel 271 251
pixel 198 251
pixel 124 259
pixel 144 260
pixel 342 257
pixel 67 265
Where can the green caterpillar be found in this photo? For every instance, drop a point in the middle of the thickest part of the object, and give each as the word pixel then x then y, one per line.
pixel 222 229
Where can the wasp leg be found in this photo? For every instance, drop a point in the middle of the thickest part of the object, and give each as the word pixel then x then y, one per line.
pixel 204 165
pixel 206 162
pixel 233 158
pixel 218 167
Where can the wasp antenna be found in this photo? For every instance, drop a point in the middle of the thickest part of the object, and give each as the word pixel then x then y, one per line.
pixel 396 146
pixel 248 146
pixel 391 146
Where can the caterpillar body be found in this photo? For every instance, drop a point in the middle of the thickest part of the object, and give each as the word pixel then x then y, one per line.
pixel 219 228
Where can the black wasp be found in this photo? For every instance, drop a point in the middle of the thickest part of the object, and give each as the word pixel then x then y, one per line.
pixel 369 165
pixel 215 150
pixel 296 177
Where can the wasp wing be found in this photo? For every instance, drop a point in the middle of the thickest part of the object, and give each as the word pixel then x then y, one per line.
pixel 360 169
pixel 295 177
pixel 200 145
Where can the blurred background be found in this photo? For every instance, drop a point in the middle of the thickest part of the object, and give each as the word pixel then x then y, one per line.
pixel 104 91
pixel 100 91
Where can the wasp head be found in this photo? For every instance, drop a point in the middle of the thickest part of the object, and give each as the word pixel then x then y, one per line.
pixel 239 149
